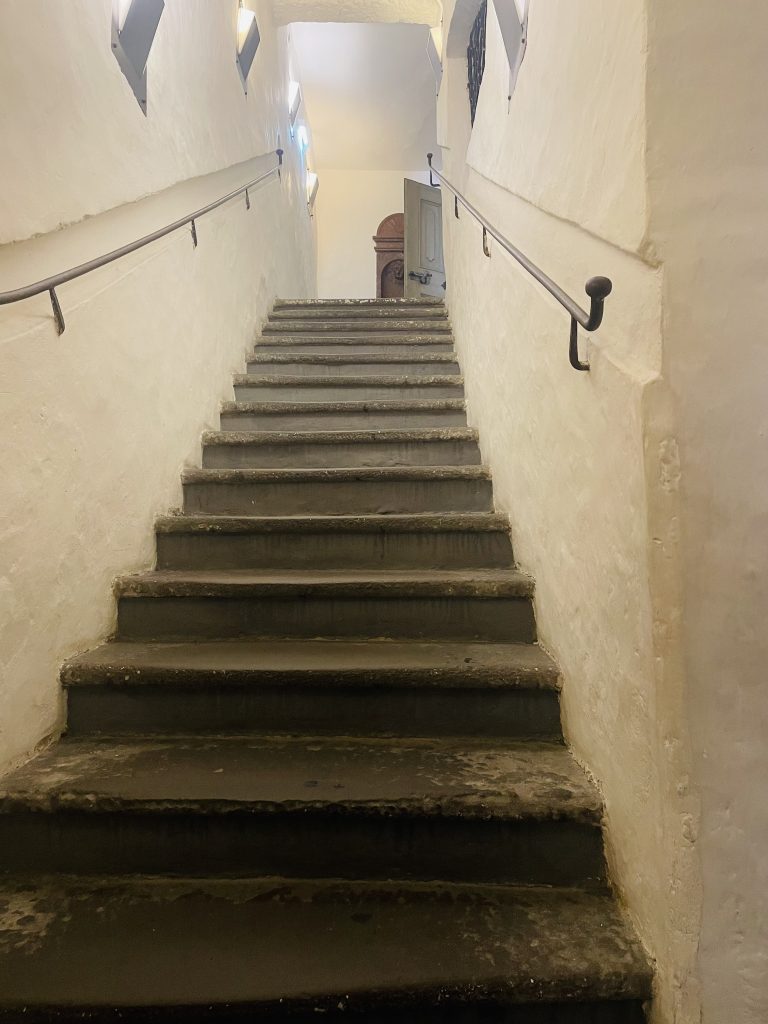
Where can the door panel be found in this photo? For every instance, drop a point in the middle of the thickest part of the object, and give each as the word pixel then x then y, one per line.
pixel 424 264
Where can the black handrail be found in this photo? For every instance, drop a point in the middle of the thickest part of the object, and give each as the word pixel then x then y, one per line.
pixel 597 288
pixel 49 284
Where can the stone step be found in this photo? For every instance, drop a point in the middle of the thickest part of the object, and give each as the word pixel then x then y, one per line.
pixel 261 388
pixel 323 364
pixel 314 687
pixel 162 950
pixel 403 303
pixel 487 604
pixel 357 326
pixel 401 345
pixel 337 312
pixel 232 449
pixel 447 541
pixel 357 491
pixel 465 811
pixel 441 413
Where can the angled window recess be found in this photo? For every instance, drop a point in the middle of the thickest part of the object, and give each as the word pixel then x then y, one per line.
pixel 434 45
pixel 134 25
pixel 248 40
pixel 294 103
pixel 512 16
pixel 313 184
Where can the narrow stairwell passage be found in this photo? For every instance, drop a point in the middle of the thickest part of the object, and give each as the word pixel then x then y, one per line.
pixel 320 767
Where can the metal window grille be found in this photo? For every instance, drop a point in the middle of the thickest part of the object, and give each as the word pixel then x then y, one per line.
pixel 476 58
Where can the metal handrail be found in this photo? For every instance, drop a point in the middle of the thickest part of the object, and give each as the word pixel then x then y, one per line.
pixel 49 284
pixel 597 288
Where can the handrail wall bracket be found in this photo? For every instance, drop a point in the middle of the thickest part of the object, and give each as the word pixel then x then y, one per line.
pixel 50 284
pixel 57 314
pixel 597 288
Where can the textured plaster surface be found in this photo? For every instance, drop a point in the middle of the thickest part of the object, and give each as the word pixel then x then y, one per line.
pixel 590 57
pixel 97 424
pixel 586 464
pixel 708 189
pixel 68 141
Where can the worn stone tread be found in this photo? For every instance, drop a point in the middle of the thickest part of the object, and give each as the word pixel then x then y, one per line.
pixel 316 663
pixel 476 583
pixel 358 381
pixel 200 950
pixel 485 522
pixel 351 303
pixel 372 307
pixel 350 325
pixel 330 474
pixel 373 338
pixel 534 780
pixel 233 438
pixel 340 358
pixel 402 405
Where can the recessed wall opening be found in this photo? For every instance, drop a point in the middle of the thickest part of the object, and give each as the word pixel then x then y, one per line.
pixel 369 95
pixel 134 26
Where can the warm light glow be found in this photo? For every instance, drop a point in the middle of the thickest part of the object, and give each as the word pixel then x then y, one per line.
pixel 294 101
pixel 245 19
pixel 313 183
pixel 123 6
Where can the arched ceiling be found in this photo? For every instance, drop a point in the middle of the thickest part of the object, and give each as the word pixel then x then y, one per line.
pixel 369 92
pixel 418 12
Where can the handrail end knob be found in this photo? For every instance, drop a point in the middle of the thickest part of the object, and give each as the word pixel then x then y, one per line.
pixel 429 158
pixel 599 287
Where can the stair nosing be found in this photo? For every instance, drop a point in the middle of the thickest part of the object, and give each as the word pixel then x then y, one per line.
pixel 431 522
pixel 572 797
pixel 421 435
pixel 375 405
pixel 340 358
pixel 330 474
pixel 546 927
pixel 381 381
pixel 518 666
pixel 244 584
pixel 417 339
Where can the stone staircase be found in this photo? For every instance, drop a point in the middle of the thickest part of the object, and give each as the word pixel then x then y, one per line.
pixel 320 769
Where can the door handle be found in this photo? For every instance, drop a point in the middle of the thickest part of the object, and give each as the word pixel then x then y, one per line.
pixel 424 278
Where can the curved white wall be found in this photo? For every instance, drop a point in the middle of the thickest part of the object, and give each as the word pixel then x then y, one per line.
pixel 708 190
pixel 76 141
pixel 96 425
pixel 634 147
pixel 584 463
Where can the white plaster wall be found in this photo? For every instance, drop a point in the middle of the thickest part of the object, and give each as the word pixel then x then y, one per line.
pixel 350 207
pixel 708 191
pixel 96 426
pixel 75 140
pixel 590 59
pixel 419 12
pixel 369 91
pixel 585 463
